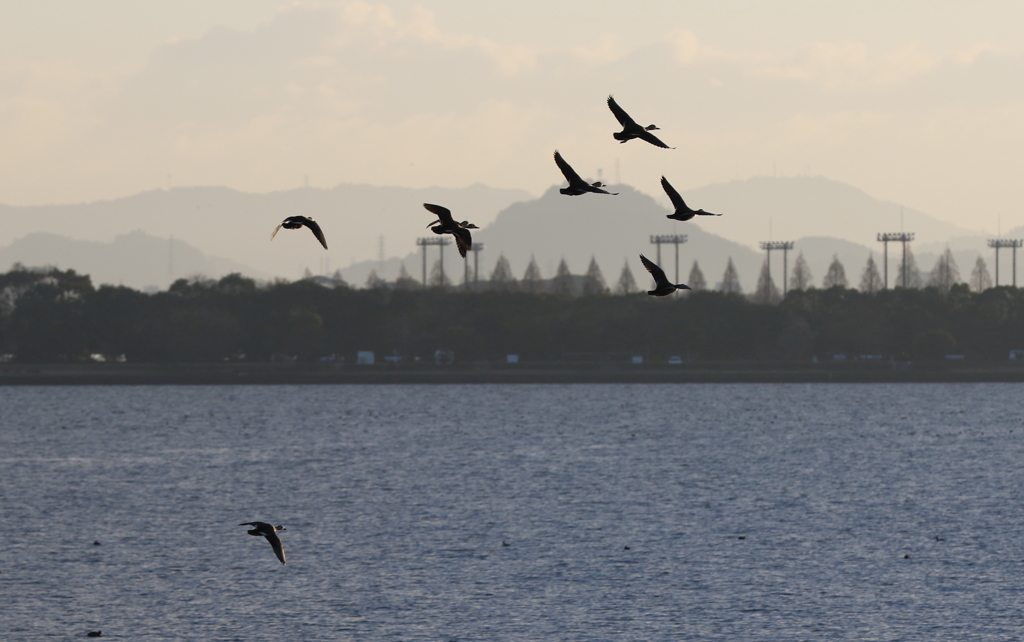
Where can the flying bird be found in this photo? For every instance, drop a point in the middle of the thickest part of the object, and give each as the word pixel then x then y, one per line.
pixel 445 224
pixel 577 185
pixel 630 129
pixel 683 211
pixel 662 287
pixel 270 532
pixel 295 222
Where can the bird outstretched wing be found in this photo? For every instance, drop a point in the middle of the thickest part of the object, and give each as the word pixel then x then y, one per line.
pixel 567 171
pixel 463 241
pixel 620 114
pixel 317 232
pixel 442 213
pixel 673 195
pixel 654 140
pixel 275 543
pixel 656 272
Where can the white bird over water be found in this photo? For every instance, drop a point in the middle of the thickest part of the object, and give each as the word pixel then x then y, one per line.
pixel 270 532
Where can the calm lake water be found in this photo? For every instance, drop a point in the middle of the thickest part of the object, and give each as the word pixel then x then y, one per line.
pixel 631 512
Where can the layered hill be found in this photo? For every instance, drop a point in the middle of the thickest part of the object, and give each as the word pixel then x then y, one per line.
pixel 222 222
pixel 229 231
pixel 137 260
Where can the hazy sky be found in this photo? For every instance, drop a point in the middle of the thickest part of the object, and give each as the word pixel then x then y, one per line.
pixel 918 102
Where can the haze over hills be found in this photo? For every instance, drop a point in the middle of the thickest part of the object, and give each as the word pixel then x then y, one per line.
pixel 614 229
pixel 801 206
pixel 223 230
pixel 222 222
pixel 136 259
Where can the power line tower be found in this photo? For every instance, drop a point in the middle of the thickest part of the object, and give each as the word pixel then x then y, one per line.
pixel 674 239
pixel 1011 243
pixel 476 250
pixel 902 237
pixel 440 242
pixel 785 246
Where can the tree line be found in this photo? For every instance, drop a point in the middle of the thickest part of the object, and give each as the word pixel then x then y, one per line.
pixel 50 315
pixel 943 276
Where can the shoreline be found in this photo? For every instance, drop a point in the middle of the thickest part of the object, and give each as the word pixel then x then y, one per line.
pixel 714 372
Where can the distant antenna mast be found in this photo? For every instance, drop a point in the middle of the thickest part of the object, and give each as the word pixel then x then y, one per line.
pixel 170 257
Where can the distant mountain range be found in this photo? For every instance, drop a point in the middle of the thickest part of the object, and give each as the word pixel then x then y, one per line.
pixel 137 260
pixel 221 222
pixel 615 229
pixel 149 239
pixel 765 208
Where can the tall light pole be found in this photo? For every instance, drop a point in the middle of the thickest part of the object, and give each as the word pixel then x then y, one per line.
pixel 439 241
pixel 476 249
pixel 1011 243
pixel 674 239
pixel 903 237
pixel 785 246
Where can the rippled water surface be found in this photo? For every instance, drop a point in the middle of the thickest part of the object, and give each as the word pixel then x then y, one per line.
pixel 654 512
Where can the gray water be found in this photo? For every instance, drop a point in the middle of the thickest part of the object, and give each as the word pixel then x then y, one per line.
pixel 646 512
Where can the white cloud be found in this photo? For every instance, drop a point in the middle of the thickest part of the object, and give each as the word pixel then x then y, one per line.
pixel 608 49
pixel 688 49
pixel 847 65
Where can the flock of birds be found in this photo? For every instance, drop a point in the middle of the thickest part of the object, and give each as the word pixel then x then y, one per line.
pixel 446 224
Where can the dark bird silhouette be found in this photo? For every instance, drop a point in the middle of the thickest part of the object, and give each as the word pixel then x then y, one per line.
pixel 94 634
pixel 295 222
pixel 270 532
pixel 577 185
pixel 683 211
pixel 630 129
pixel 662 287
pixel 445 224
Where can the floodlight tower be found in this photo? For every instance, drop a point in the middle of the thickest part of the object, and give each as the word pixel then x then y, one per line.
pixel 884 238
pixel 476 249
pixel 440 242
pixel 1011 243
pixel 785 246
pixel 674 239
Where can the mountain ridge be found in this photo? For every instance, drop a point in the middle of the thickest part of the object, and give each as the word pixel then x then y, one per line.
pixel 226 224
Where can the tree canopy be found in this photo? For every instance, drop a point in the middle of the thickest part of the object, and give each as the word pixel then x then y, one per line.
pixel 50 315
